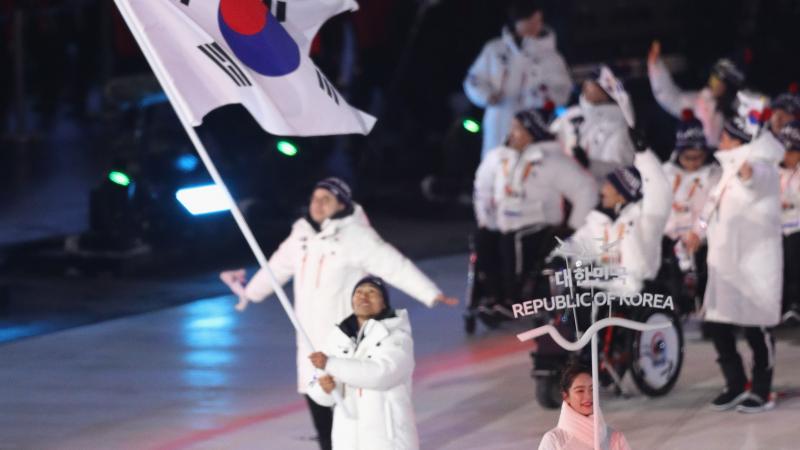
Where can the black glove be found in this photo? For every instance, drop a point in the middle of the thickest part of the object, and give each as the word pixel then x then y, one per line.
pixel 639 139
pixel 564 231
pixel 580 155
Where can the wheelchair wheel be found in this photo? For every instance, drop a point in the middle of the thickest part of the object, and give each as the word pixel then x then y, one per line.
pixel 618 356
pixel 657 355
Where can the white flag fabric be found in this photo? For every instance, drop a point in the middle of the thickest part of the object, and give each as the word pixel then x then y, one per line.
pixel 252 52
pixel 750 107
pixel 614 88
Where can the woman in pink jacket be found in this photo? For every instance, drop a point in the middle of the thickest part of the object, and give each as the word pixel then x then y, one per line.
pixel 575 430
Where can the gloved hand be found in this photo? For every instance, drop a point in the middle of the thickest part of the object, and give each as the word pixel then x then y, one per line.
pixel 580 155
pixel 639 139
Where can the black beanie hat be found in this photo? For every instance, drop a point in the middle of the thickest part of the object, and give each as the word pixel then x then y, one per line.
pixel 627 181
pixel 790 136
pixel 728 72
pixel 378 283
pixel 789 102
pixel 338 188
pixel 535 124
pixel 736 127
pixel 689 133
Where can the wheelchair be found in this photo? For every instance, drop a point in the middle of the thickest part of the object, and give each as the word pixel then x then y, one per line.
pixel 653 358
pixel 489 289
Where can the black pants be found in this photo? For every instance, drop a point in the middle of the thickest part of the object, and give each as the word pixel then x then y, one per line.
pixel 791 271
pixel 322 416
pixel 761 341
pixel 521 254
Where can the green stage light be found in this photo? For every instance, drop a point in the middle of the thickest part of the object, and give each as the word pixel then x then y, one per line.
pixel 119 178
pixel 471 125
pixel 287 148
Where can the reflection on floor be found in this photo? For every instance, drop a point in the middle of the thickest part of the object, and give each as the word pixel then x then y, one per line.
pixel 202 376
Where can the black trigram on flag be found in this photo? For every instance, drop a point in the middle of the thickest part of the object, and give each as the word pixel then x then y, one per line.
pixel 224 62
pixel 280 9
pixel 326 86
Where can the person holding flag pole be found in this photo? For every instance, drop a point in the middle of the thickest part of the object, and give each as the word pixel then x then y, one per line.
pixel 213 53
pixel 326 254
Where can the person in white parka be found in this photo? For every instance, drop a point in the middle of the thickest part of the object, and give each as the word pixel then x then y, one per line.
pixel 692 171
pixel 784 109
pixel 626 228
pixel 519 70
pixel 710 104
pixel 790 205
pixel 742 223
pixel 327 252
pixel 519 190
pixel 595 131
pixel 369 359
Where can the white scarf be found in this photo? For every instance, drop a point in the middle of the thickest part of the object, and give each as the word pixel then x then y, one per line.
pixel 582 427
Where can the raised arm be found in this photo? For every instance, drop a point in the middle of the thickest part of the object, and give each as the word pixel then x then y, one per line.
pixel 666 92
pixel 282 265
pixel 376 256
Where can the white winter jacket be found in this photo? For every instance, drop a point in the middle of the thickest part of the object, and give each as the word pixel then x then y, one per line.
pixel 790 199
pixel 638 229
pixel 372 371
pixel 602 132
pixel 525 78
pixel 576 432
pixel 674 100
pixel 745 250
pixel 325 267
pixel 689 193
pixel 515 189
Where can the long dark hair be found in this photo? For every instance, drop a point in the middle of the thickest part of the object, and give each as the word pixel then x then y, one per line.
pixel 571 372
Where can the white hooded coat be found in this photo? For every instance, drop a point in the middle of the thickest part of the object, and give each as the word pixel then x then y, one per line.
pixel 516 189
pixel 373 374
pixel 524 76
pixel 325 267
pixel 576 432
pixel 602 133
pixel 743 228
pixel 637 229
pixel 674 100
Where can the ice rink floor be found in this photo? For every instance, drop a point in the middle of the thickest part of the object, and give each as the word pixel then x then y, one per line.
pixel 202 376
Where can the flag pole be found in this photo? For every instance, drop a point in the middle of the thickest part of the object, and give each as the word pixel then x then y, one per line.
pixel 180 110
pixel 596 394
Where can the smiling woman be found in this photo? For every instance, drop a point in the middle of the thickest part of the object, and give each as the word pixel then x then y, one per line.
pixel 575 430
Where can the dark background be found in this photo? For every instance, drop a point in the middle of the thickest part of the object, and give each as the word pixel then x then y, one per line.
pixel 77 99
